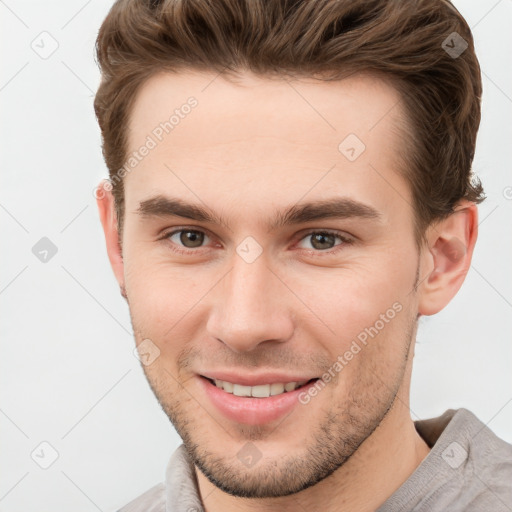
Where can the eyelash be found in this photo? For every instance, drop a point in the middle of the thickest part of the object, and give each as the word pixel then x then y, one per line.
pixel 317 252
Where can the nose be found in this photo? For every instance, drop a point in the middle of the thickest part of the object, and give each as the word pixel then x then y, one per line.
pixel 250 307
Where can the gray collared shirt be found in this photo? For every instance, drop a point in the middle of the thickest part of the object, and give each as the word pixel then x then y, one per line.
pixel 468 469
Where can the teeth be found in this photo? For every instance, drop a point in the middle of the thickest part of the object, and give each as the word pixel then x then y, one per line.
pixel 260 391
pixel 276 389
pixel 227 386
pixel 290 386
pixel 240 390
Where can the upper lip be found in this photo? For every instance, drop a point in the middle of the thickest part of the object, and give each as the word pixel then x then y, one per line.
pixel 246 379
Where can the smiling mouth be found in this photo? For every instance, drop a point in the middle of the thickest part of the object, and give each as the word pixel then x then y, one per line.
pixel 259 391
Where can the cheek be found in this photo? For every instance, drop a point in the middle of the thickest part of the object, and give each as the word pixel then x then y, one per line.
pixel 353 297
pixel 372 355
pixel 162 297
pixel 367 311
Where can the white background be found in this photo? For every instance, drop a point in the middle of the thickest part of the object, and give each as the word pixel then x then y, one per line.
pixel 68 375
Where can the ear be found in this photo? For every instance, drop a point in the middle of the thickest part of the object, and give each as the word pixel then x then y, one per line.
pixel 108 218
pixel 447 257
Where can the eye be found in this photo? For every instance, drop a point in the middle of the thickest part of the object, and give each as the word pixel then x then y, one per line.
pixel 188 238
pixel 324 240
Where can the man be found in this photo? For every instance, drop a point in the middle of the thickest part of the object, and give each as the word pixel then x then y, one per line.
pixel 290 190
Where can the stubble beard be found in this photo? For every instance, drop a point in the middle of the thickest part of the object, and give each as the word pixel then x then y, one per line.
pixel 338 433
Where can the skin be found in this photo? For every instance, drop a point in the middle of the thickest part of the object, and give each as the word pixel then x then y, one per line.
pixel 247 149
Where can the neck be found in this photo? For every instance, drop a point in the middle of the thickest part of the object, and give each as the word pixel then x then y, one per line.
pixel 382 463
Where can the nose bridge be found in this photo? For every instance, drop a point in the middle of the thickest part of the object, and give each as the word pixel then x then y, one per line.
pixel 248 310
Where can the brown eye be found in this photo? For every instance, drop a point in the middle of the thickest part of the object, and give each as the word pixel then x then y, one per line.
pixel 191 238
pixel 187 238
pixel 319 241
pixel 322 241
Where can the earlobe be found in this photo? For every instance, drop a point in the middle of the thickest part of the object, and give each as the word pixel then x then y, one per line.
pixel 106 208
pixel 450 249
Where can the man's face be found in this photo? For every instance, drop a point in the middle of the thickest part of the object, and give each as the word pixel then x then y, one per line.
pixel 268 302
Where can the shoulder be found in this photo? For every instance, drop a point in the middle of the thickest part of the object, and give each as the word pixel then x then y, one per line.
pixel 489 471
pixel 479 473
pixel 152 500
pixel 178 491
pixel 468 469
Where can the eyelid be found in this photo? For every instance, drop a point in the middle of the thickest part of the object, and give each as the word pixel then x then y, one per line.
pixel 177 229
pixel 341 234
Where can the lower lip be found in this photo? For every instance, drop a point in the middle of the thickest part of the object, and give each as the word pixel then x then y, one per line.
pixel 252 411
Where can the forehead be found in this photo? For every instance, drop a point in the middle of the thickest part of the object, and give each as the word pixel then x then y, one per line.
pixel 267 139
pixel 285 107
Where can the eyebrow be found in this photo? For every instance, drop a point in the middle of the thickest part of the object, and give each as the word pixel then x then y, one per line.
pixel 338 208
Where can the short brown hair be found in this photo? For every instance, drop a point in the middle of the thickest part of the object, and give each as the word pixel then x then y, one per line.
pixel 405 41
